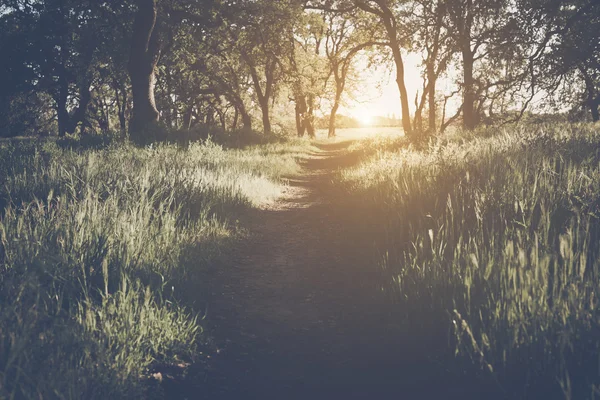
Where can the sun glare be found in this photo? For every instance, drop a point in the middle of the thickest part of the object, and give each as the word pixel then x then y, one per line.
pixel 365 119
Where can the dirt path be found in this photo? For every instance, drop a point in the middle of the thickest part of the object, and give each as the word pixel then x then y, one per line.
pixel 296 310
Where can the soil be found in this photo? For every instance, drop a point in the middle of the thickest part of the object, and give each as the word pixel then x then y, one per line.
pixel 297 311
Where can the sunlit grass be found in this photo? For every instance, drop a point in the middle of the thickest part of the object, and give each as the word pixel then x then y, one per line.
pixel 496 234
pixel 93 245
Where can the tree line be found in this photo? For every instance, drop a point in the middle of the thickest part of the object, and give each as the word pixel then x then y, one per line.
pixel 101 66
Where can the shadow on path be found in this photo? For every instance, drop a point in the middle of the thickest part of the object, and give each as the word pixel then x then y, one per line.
pixel 297 312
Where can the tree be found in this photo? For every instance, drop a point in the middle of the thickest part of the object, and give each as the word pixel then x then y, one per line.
pixel 389 13
pixel 568 56
pixel 480 30
pixel 262 48
pixel 346 35
pixel 432 41
pixel 145 52
pixel 306 70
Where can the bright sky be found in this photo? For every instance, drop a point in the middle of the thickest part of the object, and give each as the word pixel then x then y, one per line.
pixel 378 94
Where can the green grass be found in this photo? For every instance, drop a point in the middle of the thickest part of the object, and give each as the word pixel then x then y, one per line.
pixel 96 242
pixel 494 238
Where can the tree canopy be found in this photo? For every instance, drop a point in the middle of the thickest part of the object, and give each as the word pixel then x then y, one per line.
pixel 89 66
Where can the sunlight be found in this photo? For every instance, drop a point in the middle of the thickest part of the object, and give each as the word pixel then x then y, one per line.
pixel 365 118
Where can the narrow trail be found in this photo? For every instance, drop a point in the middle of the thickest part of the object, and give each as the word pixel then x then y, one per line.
pixel 296 312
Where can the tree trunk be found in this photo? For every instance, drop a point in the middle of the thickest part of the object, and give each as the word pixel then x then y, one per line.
pixel 391 30
pixel 594 109
pixel 332 118
pixel 223 120
pixel 67 122
pixel 593 100
pixel 469 121
pixel 403 93
pixel 309 118
pixel 142 67
pixel 210 117
pixel 121 103
pixel 61 106
pixel 340 83
pixel 264 107
pixel 418 119
pixel 246 120
pixel 299 119
pixel 187 118
pixel 236 116
pixel 431 78
pixel 387 17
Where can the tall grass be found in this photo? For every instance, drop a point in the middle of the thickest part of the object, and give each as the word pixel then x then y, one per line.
pixel 494 237
pixel 93 243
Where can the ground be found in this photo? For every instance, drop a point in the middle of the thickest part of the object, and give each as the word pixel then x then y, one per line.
pixel 296 311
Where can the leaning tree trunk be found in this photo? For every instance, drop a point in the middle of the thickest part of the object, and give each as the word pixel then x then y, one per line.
pixel 144 55
pixel 403 93
pixel 395 45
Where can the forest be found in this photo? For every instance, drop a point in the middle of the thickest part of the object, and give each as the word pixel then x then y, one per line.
pixel 301 199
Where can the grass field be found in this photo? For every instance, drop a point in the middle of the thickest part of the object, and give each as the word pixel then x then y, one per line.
pixel 486 243
pixel 95 244
pixel 490 239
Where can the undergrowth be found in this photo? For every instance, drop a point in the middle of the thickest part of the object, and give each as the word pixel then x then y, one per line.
pixel 94 240
pixel 493 236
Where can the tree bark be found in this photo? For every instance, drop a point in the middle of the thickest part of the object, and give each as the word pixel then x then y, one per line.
pixel 145 51
pixel 389 23
pixel 264 107
pixel 67 122
pixel 332 118
pixel 469 121
pixel 431 96
pixel 187 118
pixel 246 120
pixel 300 110
pixel 263 96
pixel 61 106
pixel 121 102
pixel 594 109
pixel 593 100
pixel 310 117
pixel 340 83
pixel 223 119
pixel 236 116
